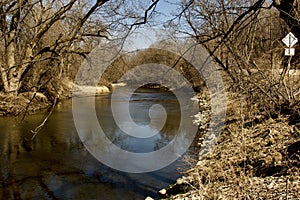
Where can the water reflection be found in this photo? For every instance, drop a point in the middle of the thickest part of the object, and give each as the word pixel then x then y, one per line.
pixel 59 167
pixel 140 104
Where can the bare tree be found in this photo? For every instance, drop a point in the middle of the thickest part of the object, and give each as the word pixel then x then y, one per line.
pixel 244 38
pixel 25 24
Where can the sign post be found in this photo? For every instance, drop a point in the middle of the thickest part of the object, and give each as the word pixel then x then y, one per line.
pixel 289 40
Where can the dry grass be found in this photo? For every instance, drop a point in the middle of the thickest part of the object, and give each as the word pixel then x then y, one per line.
pixel 251 160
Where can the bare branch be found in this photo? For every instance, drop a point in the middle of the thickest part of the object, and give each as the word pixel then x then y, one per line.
pixel 145 18
pixel 38 128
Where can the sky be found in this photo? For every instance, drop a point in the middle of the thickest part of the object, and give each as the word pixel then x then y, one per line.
pixel 145 35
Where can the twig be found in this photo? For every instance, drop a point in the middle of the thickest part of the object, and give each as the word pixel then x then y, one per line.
pixel 144 20
pixel 38 128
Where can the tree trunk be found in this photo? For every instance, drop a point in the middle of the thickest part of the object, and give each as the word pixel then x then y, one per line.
pixel 290 13
pixel 11 73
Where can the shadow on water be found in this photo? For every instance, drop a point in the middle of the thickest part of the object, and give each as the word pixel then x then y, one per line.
pixel 57 165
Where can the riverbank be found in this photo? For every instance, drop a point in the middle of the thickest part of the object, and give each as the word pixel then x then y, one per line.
pixel 255 158
pixel 30 102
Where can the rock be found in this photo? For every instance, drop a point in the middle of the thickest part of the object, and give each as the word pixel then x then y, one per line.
pixel 179 181
pixel 149 198
pixel 162 192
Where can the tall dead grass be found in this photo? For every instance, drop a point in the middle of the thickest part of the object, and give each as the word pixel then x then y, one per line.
pixel 252 158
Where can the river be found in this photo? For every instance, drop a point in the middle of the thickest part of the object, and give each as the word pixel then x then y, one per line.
pixel 58 166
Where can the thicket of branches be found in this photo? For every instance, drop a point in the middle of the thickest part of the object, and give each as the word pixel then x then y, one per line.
pixel 244 38
pixel 44 40
pixel 41 41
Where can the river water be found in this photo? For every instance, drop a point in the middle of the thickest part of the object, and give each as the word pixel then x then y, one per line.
pixel 58 166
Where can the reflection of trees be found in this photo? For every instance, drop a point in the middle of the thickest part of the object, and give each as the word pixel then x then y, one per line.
pixel 169 130
pixel 58 153
pixel 172 130
pixel 21 170
pixel 140 104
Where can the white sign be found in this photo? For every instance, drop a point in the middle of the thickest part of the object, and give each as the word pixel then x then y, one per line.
pixel 290 40
pixel 289 51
